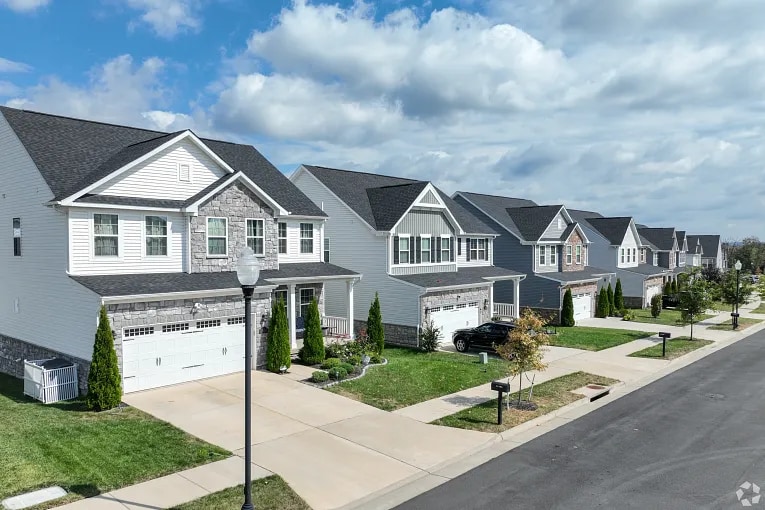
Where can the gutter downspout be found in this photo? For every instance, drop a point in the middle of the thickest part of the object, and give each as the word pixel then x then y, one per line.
pixel 188 244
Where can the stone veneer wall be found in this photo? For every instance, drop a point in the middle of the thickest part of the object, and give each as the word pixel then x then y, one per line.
pixel 573 240
pixel 236 203
pixel 127 315
pixel 453 297
pixel 13 352
pixel 395 334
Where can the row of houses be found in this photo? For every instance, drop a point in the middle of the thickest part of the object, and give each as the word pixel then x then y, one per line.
pixel 150 224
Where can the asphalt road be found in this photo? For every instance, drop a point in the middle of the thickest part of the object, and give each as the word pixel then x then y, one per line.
pixel 688 440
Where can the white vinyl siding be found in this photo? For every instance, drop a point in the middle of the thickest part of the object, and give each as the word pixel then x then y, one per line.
pixel 556 228
pixel 162 174
pixel 628 252
pixel 132 256
pixel 292 242
pixel 37 284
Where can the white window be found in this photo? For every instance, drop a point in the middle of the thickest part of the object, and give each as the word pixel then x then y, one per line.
pixel 622 255
pixel 281 296
pixel 569 256
pixel 256 239
pixel 17 237
pixel 634 254
pixel 232 321
pixel 306 238
pixel 447 307
pixel 306 296
pixel 542 255
pixel 184 172
pixel 403 250
pixel 105 235
pixel 326 249
pixel 139 331
pixel 578 253
pixel 172 328
pixel 425 249
pixel 553 255
pixel 156 235
pixel 208 323
pixel 282 227
pixel 655 259
pixel 478 249
pixel 560 223
pixel 446 250
pixel 217 237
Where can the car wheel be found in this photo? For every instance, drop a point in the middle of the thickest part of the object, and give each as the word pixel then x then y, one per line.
pixel 461 345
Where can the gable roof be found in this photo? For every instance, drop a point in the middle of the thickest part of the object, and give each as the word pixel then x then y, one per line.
pixel 580 214
pixel 495 207
pixel 389 197
pixel 662 238
pixel 613 229
pixel 72 154
pixel 710 244
pixel 532 221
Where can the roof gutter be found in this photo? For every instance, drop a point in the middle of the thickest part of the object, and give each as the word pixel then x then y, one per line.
pixel 132 298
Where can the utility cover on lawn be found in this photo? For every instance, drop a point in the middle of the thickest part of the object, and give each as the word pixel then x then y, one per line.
pixel 33 498
pixel 593 391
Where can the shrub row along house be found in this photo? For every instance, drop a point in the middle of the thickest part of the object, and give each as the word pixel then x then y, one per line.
pixel 150 225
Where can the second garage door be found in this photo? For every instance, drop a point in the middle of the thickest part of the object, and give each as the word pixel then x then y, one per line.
pixel 650 292
pixel 582 306
pixel 164 354
pixel 452 317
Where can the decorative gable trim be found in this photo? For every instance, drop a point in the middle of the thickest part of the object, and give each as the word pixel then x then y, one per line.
pixel 577 228
pixel 193 207
pixel 429 188
pixel 186 135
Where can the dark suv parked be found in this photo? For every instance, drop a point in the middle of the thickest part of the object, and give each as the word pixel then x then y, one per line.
pixel 485 336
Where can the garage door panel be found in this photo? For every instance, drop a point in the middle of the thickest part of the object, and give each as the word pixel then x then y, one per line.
pixel 451 320
pixel 582 306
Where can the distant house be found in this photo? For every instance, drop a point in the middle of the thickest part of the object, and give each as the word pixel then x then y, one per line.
pixel 712 254
pixel 545 243
pixel 695 251
pixel 660 249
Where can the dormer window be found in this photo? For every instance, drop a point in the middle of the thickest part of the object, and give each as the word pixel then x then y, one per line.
pixel 184 172
pixel 578 253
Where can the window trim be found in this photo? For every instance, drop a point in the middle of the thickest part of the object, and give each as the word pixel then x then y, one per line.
pixel 146 236
pixel 280 238
pixel 423 251
pixel 262 237
pixel 553 255
pixel 448 248
pixel 578 253
pixel 408 238
pixel 94 235
pixel 475 253
pixel 191 173
pixel 569 255
pixel 311 239
pixel 207 237
pixel 300 299
pixel 16 231
pixel 327 249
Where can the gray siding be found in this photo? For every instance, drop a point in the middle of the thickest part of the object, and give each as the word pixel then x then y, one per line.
pixel 430 198
pixel 423 268
pixel 600 252
pixel 538 292
pixel 632 284
pixel 553 231
pixel 424 222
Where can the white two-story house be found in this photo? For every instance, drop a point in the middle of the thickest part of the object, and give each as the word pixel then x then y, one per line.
pixel 615 245
pixel 150 225
pixel 427 257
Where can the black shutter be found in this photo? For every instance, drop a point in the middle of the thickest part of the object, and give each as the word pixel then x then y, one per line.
pixel 487 249
pixel 433 248
pixel 411 250
pixel 395 249
pixel 459 246
pixel 451 249
pixel 467 249
pixel 438 249
pixel 418 249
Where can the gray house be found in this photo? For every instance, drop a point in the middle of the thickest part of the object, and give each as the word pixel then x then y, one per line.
pixel 547 244
pixel 712 254
pixel 615 245
pixel 428 258
pixel 660 249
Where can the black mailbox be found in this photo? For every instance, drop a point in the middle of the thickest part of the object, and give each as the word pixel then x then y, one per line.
pixel 664 335
pixel 500 386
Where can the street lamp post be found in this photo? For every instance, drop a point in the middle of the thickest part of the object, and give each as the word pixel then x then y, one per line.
pixel 247 271
pixel 737 265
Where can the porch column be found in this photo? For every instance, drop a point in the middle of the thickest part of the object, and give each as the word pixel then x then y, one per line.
pixel 291 313
pixel 349 285
pixel 517 297
pixel 491 301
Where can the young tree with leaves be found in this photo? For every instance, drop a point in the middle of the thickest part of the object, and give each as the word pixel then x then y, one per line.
pixel 602 306
pixel 727 289
pixel 104 383
pixel 667 289
pixel 610 295
pixel 375 326
pixel 567 310
pixel 618 296
pixel 694 300
pixel 278 349
pixel 524 348
pixel 313 337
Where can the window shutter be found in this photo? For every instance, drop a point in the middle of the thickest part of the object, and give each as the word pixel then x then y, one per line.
pixel 395 249
pixel 438 250
pixel 487 249
pixel 467 249
pixel 411 250
pixel 418 249
pixel 433 248
pixel 451 249
pixel 459 246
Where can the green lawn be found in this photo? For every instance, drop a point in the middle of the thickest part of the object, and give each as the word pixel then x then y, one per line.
pixel 760 309
pixel 86 453
pixel 549 396
pixel 676 347
pixel 594 339
pixel 666 318
pixel 413 376
pixel 271 493
pixel 743 323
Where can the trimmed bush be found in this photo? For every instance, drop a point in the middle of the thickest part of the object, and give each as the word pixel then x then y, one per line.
pixel 347 367
pixel 330 363
pixel 667 289
pixel 610 294
pixel 628 315
pixel 104 384
pixel 278 349
pixel 313 338
pixel 375 326
pixel 674 286
pixel 320 376
pixel 618 295
pixel 656 306
pixel 601 309
pixel 375 359
pixel 353 360
pixel 333 350
pixel 567 311
pixel 338 373
pixel 430 337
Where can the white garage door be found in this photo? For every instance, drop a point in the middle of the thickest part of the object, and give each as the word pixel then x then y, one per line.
pixel 452 317
pixel 582 306
pixel 164 354
pixel 650 292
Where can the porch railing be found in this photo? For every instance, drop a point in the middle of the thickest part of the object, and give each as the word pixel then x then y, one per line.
pixel 336 326
pixel 504 310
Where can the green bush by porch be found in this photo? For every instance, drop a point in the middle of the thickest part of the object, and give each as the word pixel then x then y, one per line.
pixel 278 350
pixel 567 311
pixel 104 383
pixel 312 352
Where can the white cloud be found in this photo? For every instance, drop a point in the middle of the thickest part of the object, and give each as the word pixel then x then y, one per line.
pixel 168 18
pixel 9 66
pixel 24 5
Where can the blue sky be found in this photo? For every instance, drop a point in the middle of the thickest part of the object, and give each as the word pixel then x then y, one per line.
pixel 651 108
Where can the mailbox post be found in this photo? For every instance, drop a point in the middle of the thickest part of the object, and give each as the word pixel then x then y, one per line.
pixel 500 388
pixel 664 337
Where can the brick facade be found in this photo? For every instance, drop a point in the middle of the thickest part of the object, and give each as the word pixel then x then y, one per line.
pixel 236 203
pixel 13 352
pixel 573 240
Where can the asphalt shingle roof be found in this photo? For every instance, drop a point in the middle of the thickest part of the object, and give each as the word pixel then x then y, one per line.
pixel 579 214
pixel 659 237
pixel 646 270
pixel 383 204
pixel 496 207
pixel 73 153
pixel 710 243
pixel 613 229
pixel 131 201
pixel 465 276
pixel 532 221
pixel 588 274
pixel 163 283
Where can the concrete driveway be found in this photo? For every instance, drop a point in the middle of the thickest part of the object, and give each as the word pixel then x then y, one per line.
pixel 333 451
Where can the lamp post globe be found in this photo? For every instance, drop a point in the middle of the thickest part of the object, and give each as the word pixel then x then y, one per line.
pixel 247 268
